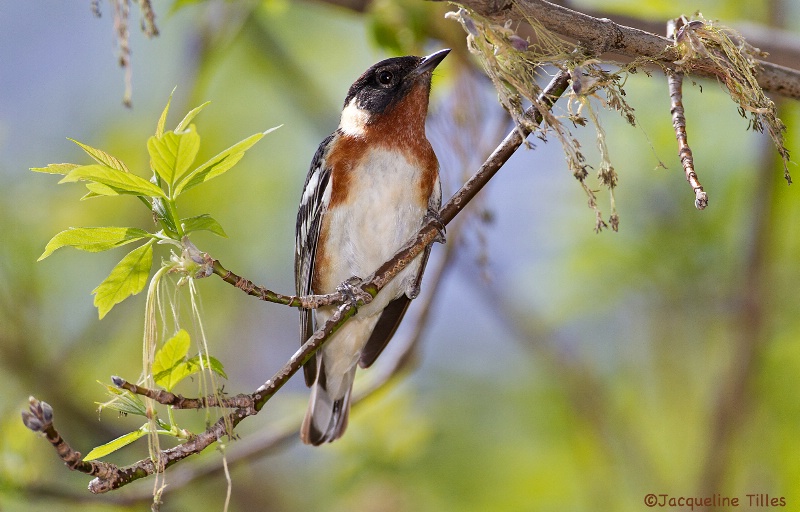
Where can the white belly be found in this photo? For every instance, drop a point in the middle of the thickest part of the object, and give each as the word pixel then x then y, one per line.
pixel 371 228
pixel 361 236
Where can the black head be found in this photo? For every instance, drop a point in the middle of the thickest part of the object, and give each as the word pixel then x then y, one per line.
pixel 388 81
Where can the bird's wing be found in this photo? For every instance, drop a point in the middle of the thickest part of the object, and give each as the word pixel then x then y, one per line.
pixel 313 203
pixel 387 324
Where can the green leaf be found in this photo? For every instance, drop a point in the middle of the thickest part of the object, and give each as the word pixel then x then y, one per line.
pixel 116 444
pixel 102 157
pixel 99 189
pixel 121 182
pixel 128 403
pixel 173 154
pixel 170 377
pixel 93 239
pixel 169 364
pixel 203 222
pixel 163 119
pixel 218 164
pixel 210 362
pixel 208 172
pixel 188 119
pixel 123 401
pixel 55 168
pixel 172 352
pixel 127 278
pixel 90 195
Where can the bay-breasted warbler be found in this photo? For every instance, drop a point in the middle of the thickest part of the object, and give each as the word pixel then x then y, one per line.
pixel 370 187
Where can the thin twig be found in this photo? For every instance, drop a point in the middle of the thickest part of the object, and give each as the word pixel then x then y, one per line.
pixel 298 301
pixel 390 364
pixel 180 402
pixel 675 81
pixel 39 418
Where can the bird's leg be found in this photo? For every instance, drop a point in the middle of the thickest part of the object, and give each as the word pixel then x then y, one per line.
pixel 432 215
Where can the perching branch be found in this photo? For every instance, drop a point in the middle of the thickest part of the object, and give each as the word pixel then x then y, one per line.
pixel 180 402
pixel 250 288
pixel 601 35
pixel 110 476
pixel 205 266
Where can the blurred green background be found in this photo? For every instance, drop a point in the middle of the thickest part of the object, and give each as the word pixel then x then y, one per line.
pixel 558 369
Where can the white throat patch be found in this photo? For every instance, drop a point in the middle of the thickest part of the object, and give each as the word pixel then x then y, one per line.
pixel 354 120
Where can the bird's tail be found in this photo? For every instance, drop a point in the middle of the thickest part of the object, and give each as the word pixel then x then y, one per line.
pixel 326 417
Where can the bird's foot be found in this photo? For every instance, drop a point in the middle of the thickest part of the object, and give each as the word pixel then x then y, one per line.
pixel 352 291
pixel 432 216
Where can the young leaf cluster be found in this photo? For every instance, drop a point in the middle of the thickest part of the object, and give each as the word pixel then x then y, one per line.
pixel 172 365
pixel 172 172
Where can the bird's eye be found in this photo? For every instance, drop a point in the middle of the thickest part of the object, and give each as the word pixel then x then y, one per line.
pixel 385 77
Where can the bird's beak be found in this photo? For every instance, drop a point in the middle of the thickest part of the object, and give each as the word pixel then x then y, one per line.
pixel 430 62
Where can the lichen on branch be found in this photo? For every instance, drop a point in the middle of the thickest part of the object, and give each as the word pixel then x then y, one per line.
pixel 516 66
pixel 708 47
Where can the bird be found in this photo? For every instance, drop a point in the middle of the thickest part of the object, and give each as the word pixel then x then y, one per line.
pixel 371 185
